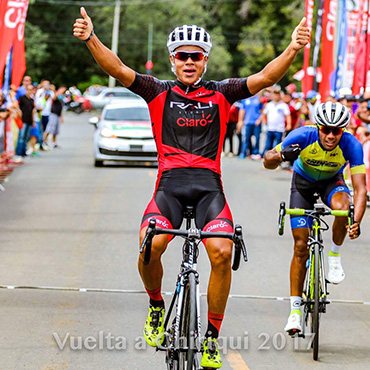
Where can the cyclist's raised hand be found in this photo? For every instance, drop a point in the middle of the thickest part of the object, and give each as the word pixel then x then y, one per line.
pixel 83 26
pixel 354 230
pixel 301 35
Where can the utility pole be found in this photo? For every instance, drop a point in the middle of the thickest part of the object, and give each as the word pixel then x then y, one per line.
pixel 117 12
pixel 149 63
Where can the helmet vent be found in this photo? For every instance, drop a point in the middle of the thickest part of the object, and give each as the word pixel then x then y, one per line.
pixel 190 31
pixel 197 36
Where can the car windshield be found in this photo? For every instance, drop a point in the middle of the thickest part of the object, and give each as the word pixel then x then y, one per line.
pixel 127 114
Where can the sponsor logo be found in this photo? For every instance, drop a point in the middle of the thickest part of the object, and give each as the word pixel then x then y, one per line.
pixel 163 223
pixel 302 222
pixel 194 122
pixel 333 154
pixel 314 162
pixel 184 106
pixel 340 188
pixel 221 224
pixel 313 151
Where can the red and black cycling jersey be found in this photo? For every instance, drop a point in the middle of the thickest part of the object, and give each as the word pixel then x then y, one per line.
pixel 189 122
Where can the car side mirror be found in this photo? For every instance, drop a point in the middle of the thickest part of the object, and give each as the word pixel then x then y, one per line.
pixel 94 121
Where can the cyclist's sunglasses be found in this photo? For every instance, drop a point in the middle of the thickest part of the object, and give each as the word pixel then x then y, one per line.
pixel 336 131
pixel 195 56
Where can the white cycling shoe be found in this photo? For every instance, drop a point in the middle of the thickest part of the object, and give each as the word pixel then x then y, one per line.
pixel 335 274
pixel 293 325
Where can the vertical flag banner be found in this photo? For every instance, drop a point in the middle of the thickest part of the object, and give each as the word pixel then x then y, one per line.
pixel 12 19
pixel 306 86
pixel 359 71
pixel 336 81
pixel 317 42
pixel 327 48
pixel 367 54
pixel 19 61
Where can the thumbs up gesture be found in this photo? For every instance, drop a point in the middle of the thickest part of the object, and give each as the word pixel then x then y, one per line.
pixel 83 26
pixel 301 35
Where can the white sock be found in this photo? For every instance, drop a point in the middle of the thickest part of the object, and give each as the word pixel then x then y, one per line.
pixel 295 302
pixel 335 248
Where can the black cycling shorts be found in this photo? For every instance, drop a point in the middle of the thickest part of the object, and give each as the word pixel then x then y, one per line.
pixel 304 194
pixel 181 187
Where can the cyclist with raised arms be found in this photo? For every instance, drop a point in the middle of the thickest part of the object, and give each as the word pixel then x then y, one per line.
pixel 320 154
pixel 189 119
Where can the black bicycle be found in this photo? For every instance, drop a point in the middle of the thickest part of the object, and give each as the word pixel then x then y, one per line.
pixel 314 297
pixel 183 326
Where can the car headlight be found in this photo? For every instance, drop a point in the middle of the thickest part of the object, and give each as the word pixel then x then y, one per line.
pixel 107 132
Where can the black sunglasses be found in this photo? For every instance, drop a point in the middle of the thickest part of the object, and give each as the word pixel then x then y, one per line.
pixel 195 56
pixel 336 131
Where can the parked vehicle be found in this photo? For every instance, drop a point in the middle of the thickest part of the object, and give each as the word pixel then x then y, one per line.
pixel 109 95
pixel 124 134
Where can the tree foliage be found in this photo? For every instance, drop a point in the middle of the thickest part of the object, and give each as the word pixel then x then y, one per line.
pixel 246 35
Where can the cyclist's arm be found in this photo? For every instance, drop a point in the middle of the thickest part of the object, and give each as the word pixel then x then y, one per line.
pixel 359 194
pixel 107 60
pixel 277 68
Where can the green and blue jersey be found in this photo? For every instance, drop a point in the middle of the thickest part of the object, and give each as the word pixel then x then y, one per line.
pixel 315 163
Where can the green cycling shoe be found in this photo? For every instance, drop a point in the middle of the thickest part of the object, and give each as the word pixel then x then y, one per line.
pixel 154 328
pixel 211 355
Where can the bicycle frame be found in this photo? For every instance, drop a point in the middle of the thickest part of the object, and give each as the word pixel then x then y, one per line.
pixel 187 288
pixel 315 285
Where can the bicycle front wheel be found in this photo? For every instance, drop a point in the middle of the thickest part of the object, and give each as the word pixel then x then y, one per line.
pixel 316 304
pixel 188 326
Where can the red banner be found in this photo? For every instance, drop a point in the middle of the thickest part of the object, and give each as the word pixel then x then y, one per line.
pixel 306 80
pixel 12 20
pixel 327 49
pixel 359 69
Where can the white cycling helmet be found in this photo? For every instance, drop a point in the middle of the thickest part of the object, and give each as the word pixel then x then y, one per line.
pixel 189 35
pixel 332 115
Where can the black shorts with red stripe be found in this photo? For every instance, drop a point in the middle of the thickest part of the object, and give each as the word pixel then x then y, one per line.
pixel 181 187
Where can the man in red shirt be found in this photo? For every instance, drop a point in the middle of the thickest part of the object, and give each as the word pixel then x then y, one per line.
pixel 189 119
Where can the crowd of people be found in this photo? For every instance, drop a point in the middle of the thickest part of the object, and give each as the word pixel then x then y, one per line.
pixel 35 112
pixel 277 112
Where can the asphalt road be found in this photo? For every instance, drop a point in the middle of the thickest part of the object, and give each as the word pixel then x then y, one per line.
pixel 66 224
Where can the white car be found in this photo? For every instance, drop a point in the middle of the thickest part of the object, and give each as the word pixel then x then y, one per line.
pixel 124 133
pixel 111 95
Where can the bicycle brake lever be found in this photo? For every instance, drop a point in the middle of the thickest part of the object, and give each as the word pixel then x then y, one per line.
pixel 150 232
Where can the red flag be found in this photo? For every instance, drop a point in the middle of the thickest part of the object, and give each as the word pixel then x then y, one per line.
pixel 367 54
pixel 307 81
pixel 327 50
pixel 359 69
pixel 19 52
pixel 12 19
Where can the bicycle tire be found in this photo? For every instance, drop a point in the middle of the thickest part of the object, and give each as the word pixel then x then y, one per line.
pixel 188 325
pixel 316 305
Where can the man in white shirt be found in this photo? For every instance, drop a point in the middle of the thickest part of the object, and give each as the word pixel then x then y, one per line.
pixel 276 114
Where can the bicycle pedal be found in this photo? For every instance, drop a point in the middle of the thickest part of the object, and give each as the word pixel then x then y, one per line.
pixel 301 335
pixel 294 332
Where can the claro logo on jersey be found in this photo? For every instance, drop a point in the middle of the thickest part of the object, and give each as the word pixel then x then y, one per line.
pixel 221 224
pixel 194 122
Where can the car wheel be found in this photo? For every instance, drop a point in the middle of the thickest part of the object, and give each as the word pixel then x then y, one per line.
pixel 98 163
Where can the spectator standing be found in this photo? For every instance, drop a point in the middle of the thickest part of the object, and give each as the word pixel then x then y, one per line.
pixel 22 90
pixel 231 127
pixel 294 114
pixel 275 114
pixel 56 117
pixel 313 102
pixel 249 124
pixel 27 106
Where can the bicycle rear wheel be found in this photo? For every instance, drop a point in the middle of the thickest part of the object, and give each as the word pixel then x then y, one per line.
pixel 188 326
pixel 316 304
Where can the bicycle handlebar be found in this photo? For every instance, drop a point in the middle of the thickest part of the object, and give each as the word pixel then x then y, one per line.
pixel 313 213
pixel 195 234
